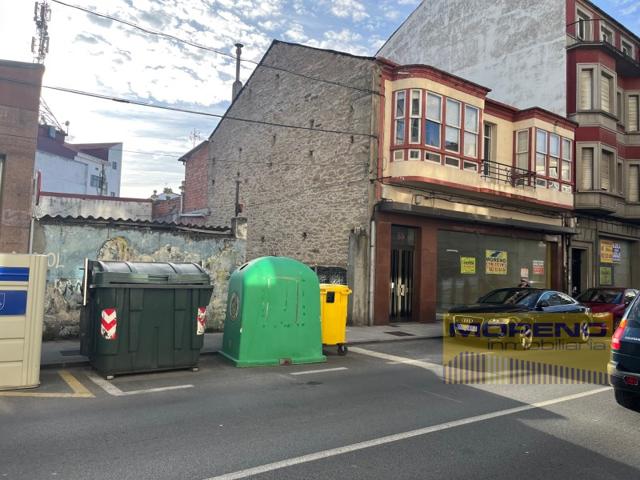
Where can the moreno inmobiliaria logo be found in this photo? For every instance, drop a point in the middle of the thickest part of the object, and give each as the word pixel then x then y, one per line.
pixel 541 348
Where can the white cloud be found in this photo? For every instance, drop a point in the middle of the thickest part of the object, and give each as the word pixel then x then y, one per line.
pixel 349 8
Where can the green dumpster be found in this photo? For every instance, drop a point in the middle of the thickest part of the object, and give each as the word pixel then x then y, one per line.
pixel 273 314
pixel 141 317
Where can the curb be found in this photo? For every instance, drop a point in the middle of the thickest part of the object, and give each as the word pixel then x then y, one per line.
pixel 86 363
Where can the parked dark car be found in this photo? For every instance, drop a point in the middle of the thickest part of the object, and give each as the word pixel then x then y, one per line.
pixel 608 300
pixel 512 312
pixel 624 366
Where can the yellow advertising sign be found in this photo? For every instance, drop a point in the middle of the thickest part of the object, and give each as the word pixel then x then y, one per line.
pixel 606 276
pixel 495 262
pixel 468 265
pixel 606 251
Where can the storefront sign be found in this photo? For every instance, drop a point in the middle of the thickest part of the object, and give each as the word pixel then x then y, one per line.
pixel 606 276
pixel 468 265
pixel 495 262
pixel 538 267
pixel 606 251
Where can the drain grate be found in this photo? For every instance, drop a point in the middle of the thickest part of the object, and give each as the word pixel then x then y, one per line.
pixel 69 353
pixel 400 333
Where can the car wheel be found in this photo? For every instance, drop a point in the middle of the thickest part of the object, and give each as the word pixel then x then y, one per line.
pixel 526 337
pixel 584 332
pixel 627 399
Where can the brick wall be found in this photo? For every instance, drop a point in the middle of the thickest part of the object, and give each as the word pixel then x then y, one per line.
pixel 302 192
pixel 19 106
pixel 195 179
pixel 166 210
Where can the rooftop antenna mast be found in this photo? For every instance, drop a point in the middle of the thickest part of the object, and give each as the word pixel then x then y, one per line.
pixel 40 43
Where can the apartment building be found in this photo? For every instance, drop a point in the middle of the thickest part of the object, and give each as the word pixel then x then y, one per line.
pixel 573 59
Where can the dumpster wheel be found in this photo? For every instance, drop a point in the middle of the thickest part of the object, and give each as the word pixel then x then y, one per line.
pixel 342 349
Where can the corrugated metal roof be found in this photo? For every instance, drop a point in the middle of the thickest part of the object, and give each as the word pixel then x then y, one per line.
pixel 135 223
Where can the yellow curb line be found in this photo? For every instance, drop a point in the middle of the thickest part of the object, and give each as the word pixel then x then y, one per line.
pixel 79 390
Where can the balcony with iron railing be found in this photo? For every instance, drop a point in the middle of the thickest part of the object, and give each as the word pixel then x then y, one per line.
pixel 490 180
pixel 596 33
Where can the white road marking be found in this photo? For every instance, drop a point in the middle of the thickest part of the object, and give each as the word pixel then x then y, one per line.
pixel 111 389
pixel 312 457
pixel 397 360
pixel 308 372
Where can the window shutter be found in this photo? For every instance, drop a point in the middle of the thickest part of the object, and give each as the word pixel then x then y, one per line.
pixel 587 169
pixel 586 90
pixel 605 171
pixel 605 90
pixel 634 191
pixel 633 113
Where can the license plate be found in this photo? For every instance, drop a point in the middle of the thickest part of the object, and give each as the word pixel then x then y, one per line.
pixel 466 328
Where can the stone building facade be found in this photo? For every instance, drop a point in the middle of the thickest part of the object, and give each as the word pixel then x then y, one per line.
pixel 19 106
pixel 306 193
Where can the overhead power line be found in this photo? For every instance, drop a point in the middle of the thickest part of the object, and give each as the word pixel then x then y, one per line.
pixel 211 49
pixel 185 110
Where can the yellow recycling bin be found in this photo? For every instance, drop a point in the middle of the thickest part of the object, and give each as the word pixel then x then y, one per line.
pixel 333 313
pixel 22 286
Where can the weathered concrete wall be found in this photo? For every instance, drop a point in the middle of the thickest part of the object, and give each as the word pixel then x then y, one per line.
pixel 302 192
pixel 90 206
pixel 67 245
pixel 514 47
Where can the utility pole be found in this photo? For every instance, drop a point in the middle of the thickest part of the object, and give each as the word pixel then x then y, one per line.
pixel 40 43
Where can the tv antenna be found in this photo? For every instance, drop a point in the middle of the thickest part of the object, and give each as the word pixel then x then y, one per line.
pixel 40 43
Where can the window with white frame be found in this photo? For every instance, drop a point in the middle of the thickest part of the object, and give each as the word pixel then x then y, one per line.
pixel 432 157
pixel 606 92
pixel 541 152
pixel 399 112
pixel 606 170
pixel 452 162
pixel 585 101
pixel 606 34
pixel 522 150
pixel 627 48
pixel 452 130
pixel 633 187
pixel 633 113
pixel 433 126
pixel 471 119
pixel 489 142
pixel 586 162
pixel 566 171
pixel 554 155
pixel 414 154
pixel 583 28
pixel 415 116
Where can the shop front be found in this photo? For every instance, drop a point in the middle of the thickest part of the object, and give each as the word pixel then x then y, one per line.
pixel 425 263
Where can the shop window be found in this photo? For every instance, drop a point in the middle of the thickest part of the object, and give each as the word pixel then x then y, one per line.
pixel 587 169
pixel 452 131
pixel 585 101
pixel 415 114
pixel 541 152
pixel 471 118
pixel 399 117
pixel 433 125
pixel 522 150
pixel 566 160
pixel 432 157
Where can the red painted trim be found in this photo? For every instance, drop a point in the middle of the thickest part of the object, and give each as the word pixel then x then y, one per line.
pixel 597 134
pixel 94 197
pixel 460 186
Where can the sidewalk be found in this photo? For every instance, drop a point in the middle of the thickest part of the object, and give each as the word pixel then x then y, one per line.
pixel 65 353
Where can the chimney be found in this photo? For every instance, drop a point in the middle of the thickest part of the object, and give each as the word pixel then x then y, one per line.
pixel 237 85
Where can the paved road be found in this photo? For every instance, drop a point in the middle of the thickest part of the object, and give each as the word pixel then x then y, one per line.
pixel 318 425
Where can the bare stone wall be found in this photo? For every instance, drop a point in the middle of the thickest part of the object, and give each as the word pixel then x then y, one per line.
pixel 303 192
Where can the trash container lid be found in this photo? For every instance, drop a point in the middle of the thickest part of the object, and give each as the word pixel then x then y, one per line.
pixel 155 273
pixel 334 287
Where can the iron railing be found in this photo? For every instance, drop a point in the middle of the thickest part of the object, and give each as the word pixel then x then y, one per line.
pixel 594 23
pixel 514 176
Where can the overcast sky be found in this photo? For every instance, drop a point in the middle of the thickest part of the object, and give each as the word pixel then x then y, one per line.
pixel 92 54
